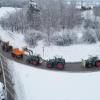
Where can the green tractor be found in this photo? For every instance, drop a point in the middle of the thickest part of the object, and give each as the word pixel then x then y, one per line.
pixel 56 63
pixel 91 62
pixel 32 59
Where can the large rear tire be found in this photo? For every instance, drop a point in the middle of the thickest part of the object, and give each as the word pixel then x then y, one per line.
pixel 60 66
pixel 97 63
pixel 49 65
pixel 34 62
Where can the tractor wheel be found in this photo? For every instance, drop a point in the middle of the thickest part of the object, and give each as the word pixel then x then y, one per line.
pixel 88 65
pixel 34 62
pixel 13 55
pixel 49 65
pixel 60 66
pixel 21 56
pixel 97 64
pixel 28 61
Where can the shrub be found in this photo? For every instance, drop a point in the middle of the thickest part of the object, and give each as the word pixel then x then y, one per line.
pixel 89 36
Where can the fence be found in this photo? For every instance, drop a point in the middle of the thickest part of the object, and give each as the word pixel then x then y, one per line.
pixel 7 79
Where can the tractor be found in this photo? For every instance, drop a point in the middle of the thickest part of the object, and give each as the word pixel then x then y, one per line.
pixel 32 59
pixel 6 47
pixel 56 63
pixel 91 62
pixel 17 53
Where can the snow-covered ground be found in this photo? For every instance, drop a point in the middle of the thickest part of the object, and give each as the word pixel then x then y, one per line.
pixel 37 84
pixel 72 53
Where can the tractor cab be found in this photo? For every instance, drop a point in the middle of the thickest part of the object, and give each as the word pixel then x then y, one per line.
pixel 60 60
pixel 56 63
pixel 92 59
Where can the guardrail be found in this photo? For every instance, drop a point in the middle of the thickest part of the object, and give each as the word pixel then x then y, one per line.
pixel 7 78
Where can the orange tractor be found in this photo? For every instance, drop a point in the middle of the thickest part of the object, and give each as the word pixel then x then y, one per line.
pixel 17 53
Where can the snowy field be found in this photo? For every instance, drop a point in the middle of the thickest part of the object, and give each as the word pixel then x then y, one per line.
pixel 37 84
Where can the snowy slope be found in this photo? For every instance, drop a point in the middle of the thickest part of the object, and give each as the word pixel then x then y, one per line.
pixel 37 84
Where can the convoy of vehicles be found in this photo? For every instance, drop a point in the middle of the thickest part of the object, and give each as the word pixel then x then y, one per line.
pixel 57 62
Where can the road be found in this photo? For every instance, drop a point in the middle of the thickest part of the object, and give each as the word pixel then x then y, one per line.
pixel 69 67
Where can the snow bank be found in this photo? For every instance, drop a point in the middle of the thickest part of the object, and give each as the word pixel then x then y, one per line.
pixel 40 84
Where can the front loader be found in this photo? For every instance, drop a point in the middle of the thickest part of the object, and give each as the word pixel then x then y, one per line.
pixel 32 59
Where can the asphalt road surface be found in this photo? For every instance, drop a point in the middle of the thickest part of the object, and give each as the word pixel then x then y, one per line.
pixel 69 67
